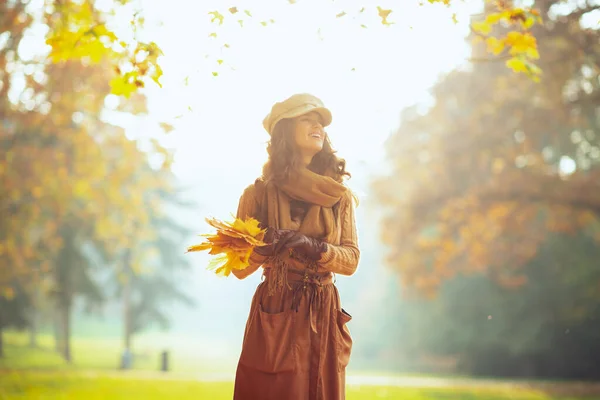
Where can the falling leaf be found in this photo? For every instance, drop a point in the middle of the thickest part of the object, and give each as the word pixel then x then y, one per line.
pixel 213 35
pixel 216 16
pixel 340 14
pixel 247 13
pixel 166 127
pixel 215 73
pixel 454 19
pixel 384 14
pixel 219 61
pixel 233 10
pixel 263 23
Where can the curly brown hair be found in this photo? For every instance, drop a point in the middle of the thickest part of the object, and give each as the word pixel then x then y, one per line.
pixel 284 156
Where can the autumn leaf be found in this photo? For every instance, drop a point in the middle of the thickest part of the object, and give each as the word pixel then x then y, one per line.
pixel 384 14
pixel 123 85
pixel 232 244
pixel 482 27
pixel 216 16
pixel 494 45
pixel 233 10
pixel 343 13
pixel 167 128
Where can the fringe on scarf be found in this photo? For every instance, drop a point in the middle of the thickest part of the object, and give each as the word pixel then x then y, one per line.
pixel 278 278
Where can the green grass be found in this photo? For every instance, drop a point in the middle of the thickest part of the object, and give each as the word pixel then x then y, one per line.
pixel 72 385
pixel 41 373
pixel 104 354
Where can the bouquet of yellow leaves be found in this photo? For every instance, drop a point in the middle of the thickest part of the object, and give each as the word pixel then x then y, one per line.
pixel 232 244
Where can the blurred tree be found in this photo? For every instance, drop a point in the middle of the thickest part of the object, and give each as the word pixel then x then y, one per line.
pixel 13 306
pixel 69 178
pixel 549 328
pixel 498 161
pixel 150 275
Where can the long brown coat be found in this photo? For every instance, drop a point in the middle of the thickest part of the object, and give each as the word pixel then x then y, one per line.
pixel 297 344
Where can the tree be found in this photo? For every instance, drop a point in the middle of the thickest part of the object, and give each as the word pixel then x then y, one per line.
pixel 149 277
pixel 13 306
pixel 500 162
pixel 68 177
pixel 548 328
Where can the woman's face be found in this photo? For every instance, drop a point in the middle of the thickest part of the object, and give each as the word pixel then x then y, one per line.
pixel 309 134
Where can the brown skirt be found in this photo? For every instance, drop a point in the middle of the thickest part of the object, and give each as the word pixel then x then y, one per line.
pixel 296 344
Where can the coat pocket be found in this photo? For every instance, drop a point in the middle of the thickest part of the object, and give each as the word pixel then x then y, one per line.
pixel 344 339
pixel 269 345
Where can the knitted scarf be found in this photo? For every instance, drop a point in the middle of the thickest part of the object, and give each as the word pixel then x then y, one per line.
pixel 320 192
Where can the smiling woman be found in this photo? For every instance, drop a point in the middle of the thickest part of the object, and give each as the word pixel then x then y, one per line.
pixel 296 344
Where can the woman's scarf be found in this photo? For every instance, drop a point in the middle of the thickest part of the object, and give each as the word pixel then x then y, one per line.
pixel 319 193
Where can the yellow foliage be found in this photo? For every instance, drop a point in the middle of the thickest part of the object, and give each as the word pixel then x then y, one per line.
pixel 516 64
pixel 495 45
pixel 232 244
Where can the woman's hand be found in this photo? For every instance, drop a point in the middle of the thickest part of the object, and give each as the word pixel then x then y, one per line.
pixel 283 239
pixel 275 239
pixel 310 247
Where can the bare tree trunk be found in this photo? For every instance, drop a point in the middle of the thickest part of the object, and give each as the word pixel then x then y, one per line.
pixel 57 333
pixel 66 331
pixel 34 319
pixel 127 314
pixel 1 340
pixel 127 320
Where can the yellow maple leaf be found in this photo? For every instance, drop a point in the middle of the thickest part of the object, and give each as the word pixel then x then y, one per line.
pixel 516 64
pixel 123 85
pixel 231 245
pixel 384 14
pixel 482 27
pixel 495 45
pixel 521 43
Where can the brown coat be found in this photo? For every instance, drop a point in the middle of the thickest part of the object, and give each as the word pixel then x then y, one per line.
pixel 296 344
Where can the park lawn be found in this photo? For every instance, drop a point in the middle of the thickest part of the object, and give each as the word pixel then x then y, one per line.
pixel 38 385
pixel 27 373
pixel 94 353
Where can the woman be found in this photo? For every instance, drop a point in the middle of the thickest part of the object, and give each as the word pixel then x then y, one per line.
pixel 296 344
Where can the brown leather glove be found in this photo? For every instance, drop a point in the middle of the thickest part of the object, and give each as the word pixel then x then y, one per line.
pixel 275 239
pixel 307 246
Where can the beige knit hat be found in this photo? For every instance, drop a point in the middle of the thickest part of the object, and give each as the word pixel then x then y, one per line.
pixel 295 106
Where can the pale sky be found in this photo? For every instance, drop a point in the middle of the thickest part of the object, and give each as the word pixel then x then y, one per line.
pixel 393 67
